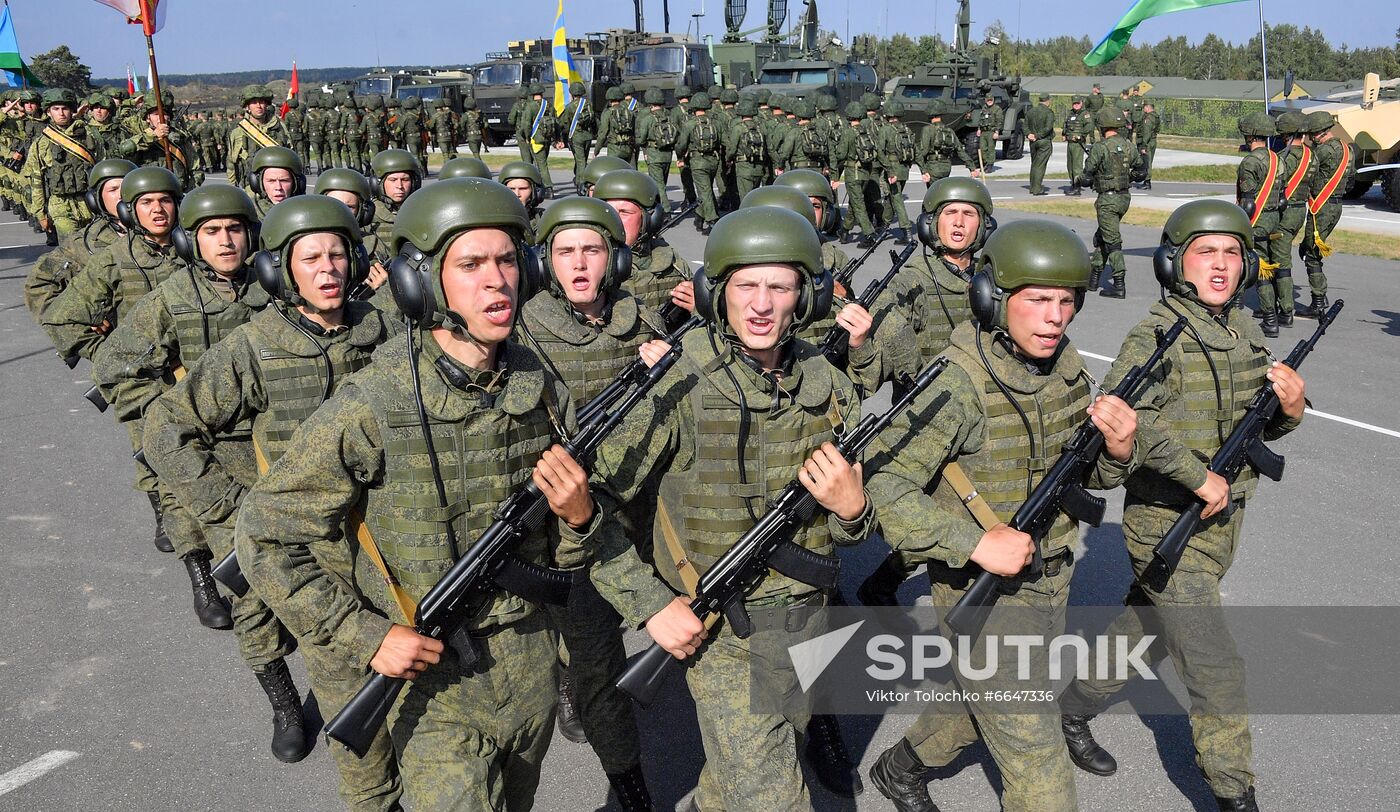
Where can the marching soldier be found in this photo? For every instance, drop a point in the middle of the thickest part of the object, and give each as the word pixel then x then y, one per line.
pixel 415 129
pixel 1109 169
pixel 898 153
pixel 575 128
pixel 747 147
pixel 743 371
pixel 295 122
pixel 465 736
pixel 51 274
pixel 266 377
pixel 938 145
pixel 1334 173
pixel 56 168
pixel 443 125
pixel 258 127
pixel 1078 129
pixel 1031 281
pixel 858 154
pixel 393 122
pixel 373 129
pixel 537 125
pixel 617 129
pixel 315 135
pixel 157 136
pixel 680 116
pixel 352 137
pixel 470 124
pixel 1207 247
pixel 1259 191
pixel 1092 105
pixel 657 134
pixel 274 174
pixel 987 119
pixel 807 145
pixel 397 174
pixel 1298 168
pixel 1040 131
pixel 659 274
pixel 701 150
pixel 102 125
pixel 1147 140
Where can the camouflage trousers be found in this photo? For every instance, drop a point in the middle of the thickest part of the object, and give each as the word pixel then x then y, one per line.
pixel 750 708
pixel 1074 159
pixel 369 784
pixel 448 149
pixel 1111 207
pixel 69 213
pixel 592 638
pixel 474 144
pixel 476 740
pixel 703 176
pixel 659 167
pixel 1274 245
pixel 262 639
pixel 747 177
pixel 1318 226
pixel 895 209
pixel 146 480
pixel 579 147
pixel 1029 748
pixel 862 198
pixel 1190 630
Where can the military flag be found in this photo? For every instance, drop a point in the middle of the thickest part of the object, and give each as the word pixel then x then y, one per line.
pixel 292 90
pixel 1112 44
pixel 565 73
pixel 130 82
pixel 12 67
pixel 149 14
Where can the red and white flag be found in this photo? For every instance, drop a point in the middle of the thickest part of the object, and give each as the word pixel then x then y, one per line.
pixel 149 14
pixel 130 82
pixel 292 91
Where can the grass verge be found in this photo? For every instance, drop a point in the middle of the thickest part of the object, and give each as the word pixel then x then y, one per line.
pixel 1209 173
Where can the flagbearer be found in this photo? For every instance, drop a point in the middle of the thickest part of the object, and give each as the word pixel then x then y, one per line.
pixel 145 148
pixel 57 166
pixel 539 128
pixel 1334 174
pixel 260 127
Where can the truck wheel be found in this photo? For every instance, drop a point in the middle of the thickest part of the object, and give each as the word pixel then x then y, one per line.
pixel 1390 185
pixel 1360 185
pixel 1014 147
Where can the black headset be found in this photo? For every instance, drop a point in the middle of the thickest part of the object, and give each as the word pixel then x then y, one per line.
pixel 813 301
pixel 1164 267
pixel 93 199
pixel 125 215
pixel 985 298
pixel 831 217
pixel 298 181
pixel 655 218
pixel 411 282
pixel 927 230
pixel 267 267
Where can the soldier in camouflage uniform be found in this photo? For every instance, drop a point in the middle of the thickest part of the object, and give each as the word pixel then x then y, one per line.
pixel 897 154
pixel 393 122
pixel 1040 132
pixel 373 129
pixel 1147 131
pixel 1079 125
pixel 657 134
pixel 938 145
pixel 467 737
pixel 587 330
pixel 687 440
pixel 1216 366
pixel 747 146
pixel 274 174
pixel 397 174
pixel 56 168
pixel 517 112
pixel 806 145
pixel 539 127
pixel 335 150
pixel 858 155
pixel 1110 169
pixel 51 274
pixel 987 119
pixel 1335 170
pixel 268 376
pixel 1298 170
pixel 1125 105
pixel 617 128
pixel 575 127
pixel 470 124
pixel 1259 184
pixel 660 276
pixel 701 149
pixel 295 122
pixel 724 109
pixel 442 123
pixel 527 184
pixel 353 137
pixel 315 135
pixel 1093 103
pixel 680 116
pixel 101 124
pixel 258 127
pixel 1014 350
pixel 156 137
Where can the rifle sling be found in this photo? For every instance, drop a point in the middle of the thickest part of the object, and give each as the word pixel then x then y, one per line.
pixel 954 475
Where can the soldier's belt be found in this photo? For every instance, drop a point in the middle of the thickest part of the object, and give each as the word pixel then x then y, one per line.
pixel 799 611
pixel 1111 191
pixel 962 577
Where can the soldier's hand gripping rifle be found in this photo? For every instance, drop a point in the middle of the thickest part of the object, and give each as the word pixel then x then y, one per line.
pixel 1062 489
pixel 1244 446
pixel 489 564
pixel 768 544
pixel 836 345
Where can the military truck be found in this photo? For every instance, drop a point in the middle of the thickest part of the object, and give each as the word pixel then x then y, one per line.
pixel 666 61
pixel 1368 118
pixel 503 76
pixel 815 69
pixel 963 81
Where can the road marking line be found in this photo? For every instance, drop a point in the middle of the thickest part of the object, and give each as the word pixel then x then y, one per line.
pixel 23 245
pixel 1372 219
pixel 1324 415
pixel 1003 197
pixel 23 774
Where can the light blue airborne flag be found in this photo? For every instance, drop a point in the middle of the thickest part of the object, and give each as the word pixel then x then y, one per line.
pixel 12 67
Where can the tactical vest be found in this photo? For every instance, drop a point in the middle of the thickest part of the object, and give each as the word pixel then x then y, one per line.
pixel 1003 470
pixel 1118 162
pixel 624 123
pixel 943 142
pixel 936 305
pixel 471 124
pixel 652 277
pixel 135 279
pixel 442 126
pixel 663 133
pixel 752 148
pixel 66 174
pixel 586 368
pixel 375 134
pixel 709 504
pixel 812 143
pixel 903 144
pixel 866 150
pixel 222 317
pixel 704 140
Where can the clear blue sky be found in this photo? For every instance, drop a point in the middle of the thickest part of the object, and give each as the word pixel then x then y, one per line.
pixel 230 35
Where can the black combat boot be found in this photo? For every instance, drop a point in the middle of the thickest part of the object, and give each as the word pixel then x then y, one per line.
pixel 51 237
pixel 1147 184
pixel 1285 318
pixel 1244 803
pixel 826 752
pixel 162 541
pixel 1270 324
pixel 20 212
pixel 901 236
pixel 899 776
pixel 288 733
pixel 5 204
pixel 1116 289
pixel 1316 310
pixel 866 241
pixel 569 723
pixel 1086 753
pixel 1094 277
pixel 879 589
pixel 630 788
pixel 209 606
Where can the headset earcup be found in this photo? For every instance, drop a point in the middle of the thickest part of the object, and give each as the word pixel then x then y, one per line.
pixel 656 218
pixel 185 247
pixel 985 229
pixel 255 183
pixel 621 269
pixel 364 214
pixel 704 296
pixel 1251 270
pixel 267 267
pixel 298 185
pixel 815 301
pixel 924 228
pixel 1079 294
pixel 1163 260
pixel 362 263
pixel 94 203
pixel 125 216
pixel 984 297
pixel 831 217
pixel 532 275
pixel 409 283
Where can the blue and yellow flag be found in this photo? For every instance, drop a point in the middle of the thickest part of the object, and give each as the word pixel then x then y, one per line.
pixel 564 70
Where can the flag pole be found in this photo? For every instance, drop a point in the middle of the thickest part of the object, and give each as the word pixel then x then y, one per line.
pixel 23 74
pixel 1264 54
pixel 148 22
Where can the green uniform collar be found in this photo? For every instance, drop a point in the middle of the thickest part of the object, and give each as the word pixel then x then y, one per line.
pixel 516 386
pixel 1238 324
pixel 1017 374
pixel 807 378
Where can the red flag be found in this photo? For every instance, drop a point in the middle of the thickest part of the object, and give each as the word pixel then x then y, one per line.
pixel 130 82
pixel 292 90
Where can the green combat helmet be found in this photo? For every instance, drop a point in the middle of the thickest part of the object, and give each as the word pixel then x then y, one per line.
pixel 683 92
pixel 341 179
pixel 296 217
pixel 595 215
pixel 814 184
pixel 627 89
pixel 614 94
pixel 145 180
pixel 1110 118
pixel 600 166
pixel 854 112
pixel 276 158
pixel 869 101
pixel 729 96
pixel 748 106
pixel 764 95
pixel 1321 121
pixel 1026 252
pixel 1257 125
pixel 954 190
pixel 536 89
pixel 804 109
pixel 252 93
pixel 469 103
pixel 1198 218
pixel 30 97
pixel 1291 122
pixel 577 89
pixel 426 225
pixel 518 170
pixel 654 96
pixel 700 101
pixel 893 109
pixel 60 95
pixel 761 236
pixel 412 103
pixel 784 197
pixel 639 188
pixel 937 107
pixel 826 103
pixel 207 203
pixel 464 167
pixel 388 161
pixel 98 175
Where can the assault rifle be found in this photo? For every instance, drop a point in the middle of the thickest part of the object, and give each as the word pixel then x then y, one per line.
pixel 629 376
pixel 489 564
pixel 836 345
pixel 768 544
pixel 844 276
pixel 1244 446
pixel 1062 489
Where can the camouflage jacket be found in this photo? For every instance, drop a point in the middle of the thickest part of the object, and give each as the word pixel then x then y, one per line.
pixel 241 145
pixel 51 170
pixel 51 274
pixel 106 288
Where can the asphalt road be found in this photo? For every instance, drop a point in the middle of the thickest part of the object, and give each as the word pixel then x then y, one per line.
pixel 107 679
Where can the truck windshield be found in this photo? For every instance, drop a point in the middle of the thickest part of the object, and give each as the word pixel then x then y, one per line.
pixel 921 92
pixel 504 74
pixel 655 60
pixel 814 76
pixel 378 84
